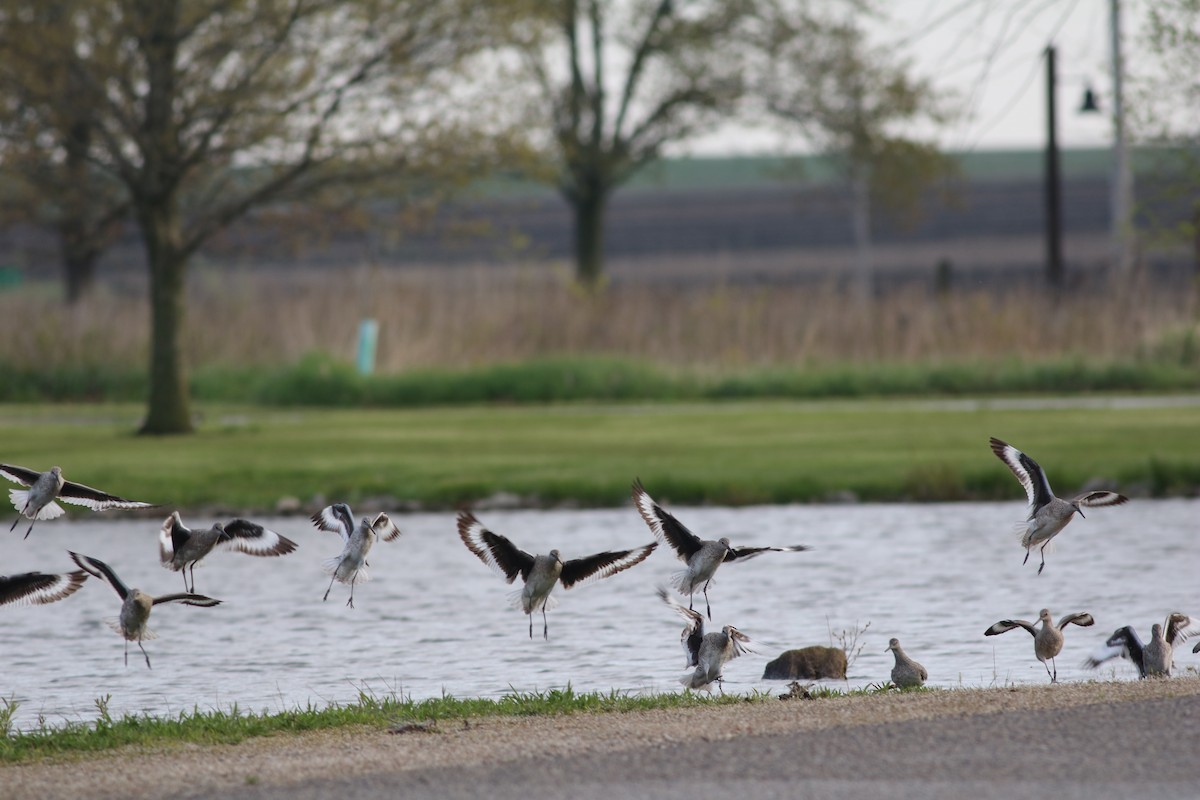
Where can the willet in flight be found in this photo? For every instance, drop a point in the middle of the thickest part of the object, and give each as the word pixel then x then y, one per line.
pixel 702 556
pixel 1153 660
pixel 1048 639
pixel 540 573
pixel 37 501
pixel 180 548
pixel 350 566
pixel 906 672
pixel 136 604
pixel 36 588
pixel 1047 514
pixel 707 652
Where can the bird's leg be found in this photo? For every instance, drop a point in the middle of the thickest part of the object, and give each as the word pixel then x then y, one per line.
pixel 706 603
pixel 531 624
pixel 126 652
pixel 1054 675
pixel 30 529
pixel 14 525
pixel 184 573
pixel 545 624
pixel 330 589
pixel 1026 561
pixel 1043 552
pixel 147 655
pixel 350 602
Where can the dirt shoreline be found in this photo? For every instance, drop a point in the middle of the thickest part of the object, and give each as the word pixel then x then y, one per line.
pixel 280 761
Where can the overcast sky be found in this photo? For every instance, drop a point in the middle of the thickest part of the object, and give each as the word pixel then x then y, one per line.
pixel 989 53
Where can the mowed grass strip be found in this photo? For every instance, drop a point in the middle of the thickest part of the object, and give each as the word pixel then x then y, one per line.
pixel 728 453
pixel 210 727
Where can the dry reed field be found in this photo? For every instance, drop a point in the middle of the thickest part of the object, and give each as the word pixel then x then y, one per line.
pixel 472 316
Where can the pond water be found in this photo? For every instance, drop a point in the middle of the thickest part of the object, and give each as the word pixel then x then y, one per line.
pixel 435 620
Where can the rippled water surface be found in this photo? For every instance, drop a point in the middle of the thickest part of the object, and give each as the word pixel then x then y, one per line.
pixel 435 620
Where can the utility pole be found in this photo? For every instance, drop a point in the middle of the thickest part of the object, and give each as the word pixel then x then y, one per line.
pixel 1054 256
pixel 1122 178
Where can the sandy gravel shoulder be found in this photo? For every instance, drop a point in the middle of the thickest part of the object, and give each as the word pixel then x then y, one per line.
pixel 282 760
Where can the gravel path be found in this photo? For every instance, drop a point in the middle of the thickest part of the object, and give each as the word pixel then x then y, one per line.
pixel 1075 740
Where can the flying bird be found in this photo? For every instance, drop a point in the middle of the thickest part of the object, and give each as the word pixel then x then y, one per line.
pixel 136 604
pixel 702 556
pixel 1047 639
pixel 1047 514
pixel 180 547
pixel 36 588
pixel 540 573
pixel 37 501
pixel 1153 660
pixel 708 653
pixel 350 566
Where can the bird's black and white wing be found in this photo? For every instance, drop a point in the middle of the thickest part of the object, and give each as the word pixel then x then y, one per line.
pixel 36 588
pixel 1006 625
pixel 172 536
pixel 1100 499
pixel 253 539
pixel 1177 628
pixel 493 549
pixel 384 527
pixel 21 475
pixel 1124 643
pixel 664 526
pixel 335 519
pixel 1031 476
pixel 187 598
pixel 98 569
pixel 79 495
pixel 743 553
pixel 693 631
pixel 1082 619
pixel 740 641
pixel 580 571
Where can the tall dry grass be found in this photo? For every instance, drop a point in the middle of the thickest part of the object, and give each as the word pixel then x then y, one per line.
pixel 464 317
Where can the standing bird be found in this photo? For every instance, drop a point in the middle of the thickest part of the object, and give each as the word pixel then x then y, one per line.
pixel 708 653
pixel 136 604
pixel 180 547
pixel 350 567
pixel 36 588
pixel 1047 514
pixel 702 556
pixel 37 502
pixel 1152 660
pixel 1048 639
pixel 906 672
pixel 540 573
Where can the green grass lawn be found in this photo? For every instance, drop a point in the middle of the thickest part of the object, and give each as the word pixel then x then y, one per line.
pixel 733 452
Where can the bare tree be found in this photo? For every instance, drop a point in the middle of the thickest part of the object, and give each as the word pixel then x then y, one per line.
pixel 205 109
pixel 617 81
pixel 44 149
pixel 852 100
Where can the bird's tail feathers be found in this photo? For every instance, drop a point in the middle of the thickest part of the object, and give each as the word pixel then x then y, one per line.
pixel 681 582
pixel 20 497
pixel 516 599
pixel 115 624
pixel 360 575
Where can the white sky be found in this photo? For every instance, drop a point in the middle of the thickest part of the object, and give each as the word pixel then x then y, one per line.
pixel 989 54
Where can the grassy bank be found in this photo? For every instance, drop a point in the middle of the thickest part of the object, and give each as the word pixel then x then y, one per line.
pixel 587 454
pixel 232 726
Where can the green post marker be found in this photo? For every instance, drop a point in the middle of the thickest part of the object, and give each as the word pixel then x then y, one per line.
pixel 368 334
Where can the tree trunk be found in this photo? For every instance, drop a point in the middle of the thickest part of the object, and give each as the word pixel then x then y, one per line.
pixel 169 406
pixel 589 206
pixel 864 266
pixel 80 269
